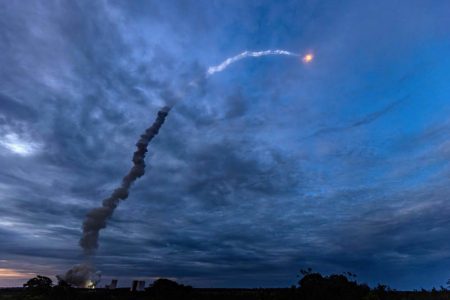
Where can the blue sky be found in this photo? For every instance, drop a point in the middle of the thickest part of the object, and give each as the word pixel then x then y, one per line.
pixel 268 167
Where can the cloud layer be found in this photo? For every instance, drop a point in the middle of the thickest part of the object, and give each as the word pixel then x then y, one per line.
pixel 265 168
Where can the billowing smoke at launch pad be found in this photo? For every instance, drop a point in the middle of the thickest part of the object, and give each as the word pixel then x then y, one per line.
pixel 84 275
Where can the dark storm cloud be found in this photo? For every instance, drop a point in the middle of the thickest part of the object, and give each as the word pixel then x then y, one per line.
pixel 237 105
pixel 410 236
pixel 219 172
pixel 14 109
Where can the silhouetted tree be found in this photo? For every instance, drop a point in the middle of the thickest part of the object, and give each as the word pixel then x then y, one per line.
pixel 38 286
pixel 165 284
pixel 63 284
pixel 380 292
pixel 315 286
pixel 168 289
pixel 39 282
pixel 63 291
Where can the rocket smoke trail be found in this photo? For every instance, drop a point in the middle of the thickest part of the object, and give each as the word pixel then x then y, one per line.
pixel 97 217
pixel 83 275
pixel 231 60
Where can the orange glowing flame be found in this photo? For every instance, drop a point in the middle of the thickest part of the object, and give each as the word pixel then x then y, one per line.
pixel 308 58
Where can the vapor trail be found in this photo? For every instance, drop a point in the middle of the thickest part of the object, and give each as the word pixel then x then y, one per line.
pixel 364 121
pixel 231 60
pixel 97 217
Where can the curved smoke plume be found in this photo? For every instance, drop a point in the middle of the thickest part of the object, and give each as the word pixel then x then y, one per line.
pixel 96 218
pixel 231 60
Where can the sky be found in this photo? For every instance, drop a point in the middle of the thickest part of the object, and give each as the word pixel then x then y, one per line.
pixel 266 168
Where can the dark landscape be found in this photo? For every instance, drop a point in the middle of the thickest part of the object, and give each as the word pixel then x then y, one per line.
pixel 311 286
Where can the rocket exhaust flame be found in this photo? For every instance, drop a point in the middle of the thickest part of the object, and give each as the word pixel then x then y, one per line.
pixel 308 58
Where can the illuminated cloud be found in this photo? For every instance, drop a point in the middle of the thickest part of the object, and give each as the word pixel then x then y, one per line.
pixel 13 274
pixel 17 145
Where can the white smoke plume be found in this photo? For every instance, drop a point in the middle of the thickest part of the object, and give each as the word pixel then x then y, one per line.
pixel 219 68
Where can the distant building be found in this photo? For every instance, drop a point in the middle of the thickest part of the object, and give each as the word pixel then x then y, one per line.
pixel 134 285
pixel 137 286
pixel 113 285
